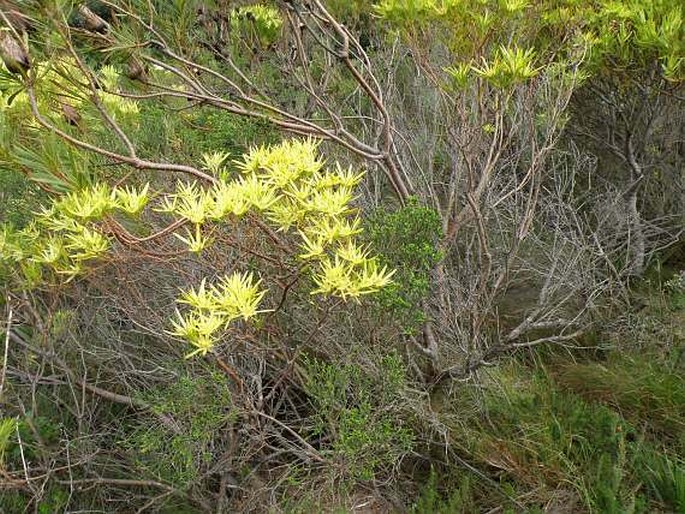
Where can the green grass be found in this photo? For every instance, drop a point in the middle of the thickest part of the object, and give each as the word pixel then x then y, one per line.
pixel 607 437
pixel 647 393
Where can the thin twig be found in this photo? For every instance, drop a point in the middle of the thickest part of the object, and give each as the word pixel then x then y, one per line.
pixel 7 345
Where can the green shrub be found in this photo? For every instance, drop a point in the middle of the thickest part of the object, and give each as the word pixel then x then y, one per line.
pixel 359 412
pixel 406 240
pixel 458 499
pixel 199 407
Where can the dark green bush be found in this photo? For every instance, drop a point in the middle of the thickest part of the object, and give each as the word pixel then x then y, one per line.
pixel 406 240
pixel 359 413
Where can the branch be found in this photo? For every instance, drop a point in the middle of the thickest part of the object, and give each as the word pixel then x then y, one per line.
pixel 98 391
pixel 132 161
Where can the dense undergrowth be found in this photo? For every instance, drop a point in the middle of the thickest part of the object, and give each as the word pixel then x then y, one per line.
pixel 251 261
pixel 600 430
pixel 553 430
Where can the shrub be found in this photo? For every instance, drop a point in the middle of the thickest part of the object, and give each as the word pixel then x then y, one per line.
pixel 359 414
pixel 407 241
pixel 201 410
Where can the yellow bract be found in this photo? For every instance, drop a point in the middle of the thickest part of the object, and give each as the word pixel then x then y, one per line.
pixel 333 229
pixel 86 243
pixel 202 299
pixel 314 247
pixel 285 184
pixel 192 203
pixel 131 200
pixel 214 308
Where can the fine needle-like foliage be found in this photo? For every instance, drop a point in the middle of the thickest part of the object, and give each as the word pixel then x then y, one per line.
pixel 7 428
pixel 336 255
pixel 286 185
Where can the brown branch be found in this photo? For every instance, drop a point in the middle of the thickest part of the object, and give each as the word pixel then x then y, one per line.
pixel 132 161
pixel 98 391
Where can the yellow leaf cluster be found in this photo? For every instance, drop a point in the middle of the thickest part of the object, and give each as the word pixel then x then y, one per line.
pixel 285 184
pixel 54 78
pixel 64 236
pixel 288 186
pixel 213 308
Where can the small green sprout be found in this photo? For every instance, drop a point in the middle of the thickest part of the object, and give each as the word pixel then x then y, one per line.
pixel 195 241
pixel 513 6
pixel 460 74
pixel 131 200
pixel 212 162
pixel 509 67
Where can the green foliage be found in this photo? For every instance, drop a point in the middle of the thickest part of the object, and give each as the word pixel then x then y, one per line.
pixel 199 407
pixel 17 198
pixel 191 133
pixel 542 434
pixel 54 499
pixel 7 427
pixel 510 66
pixel 621 36
pixel 458 499
pixel 350 12
pixel 663 476
pixel 675 289
pixel 633 34
pixel 358 412
pixel 407 241
pixel 611 433
pixel 264 21
pixel 37 431
pixel 286 184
